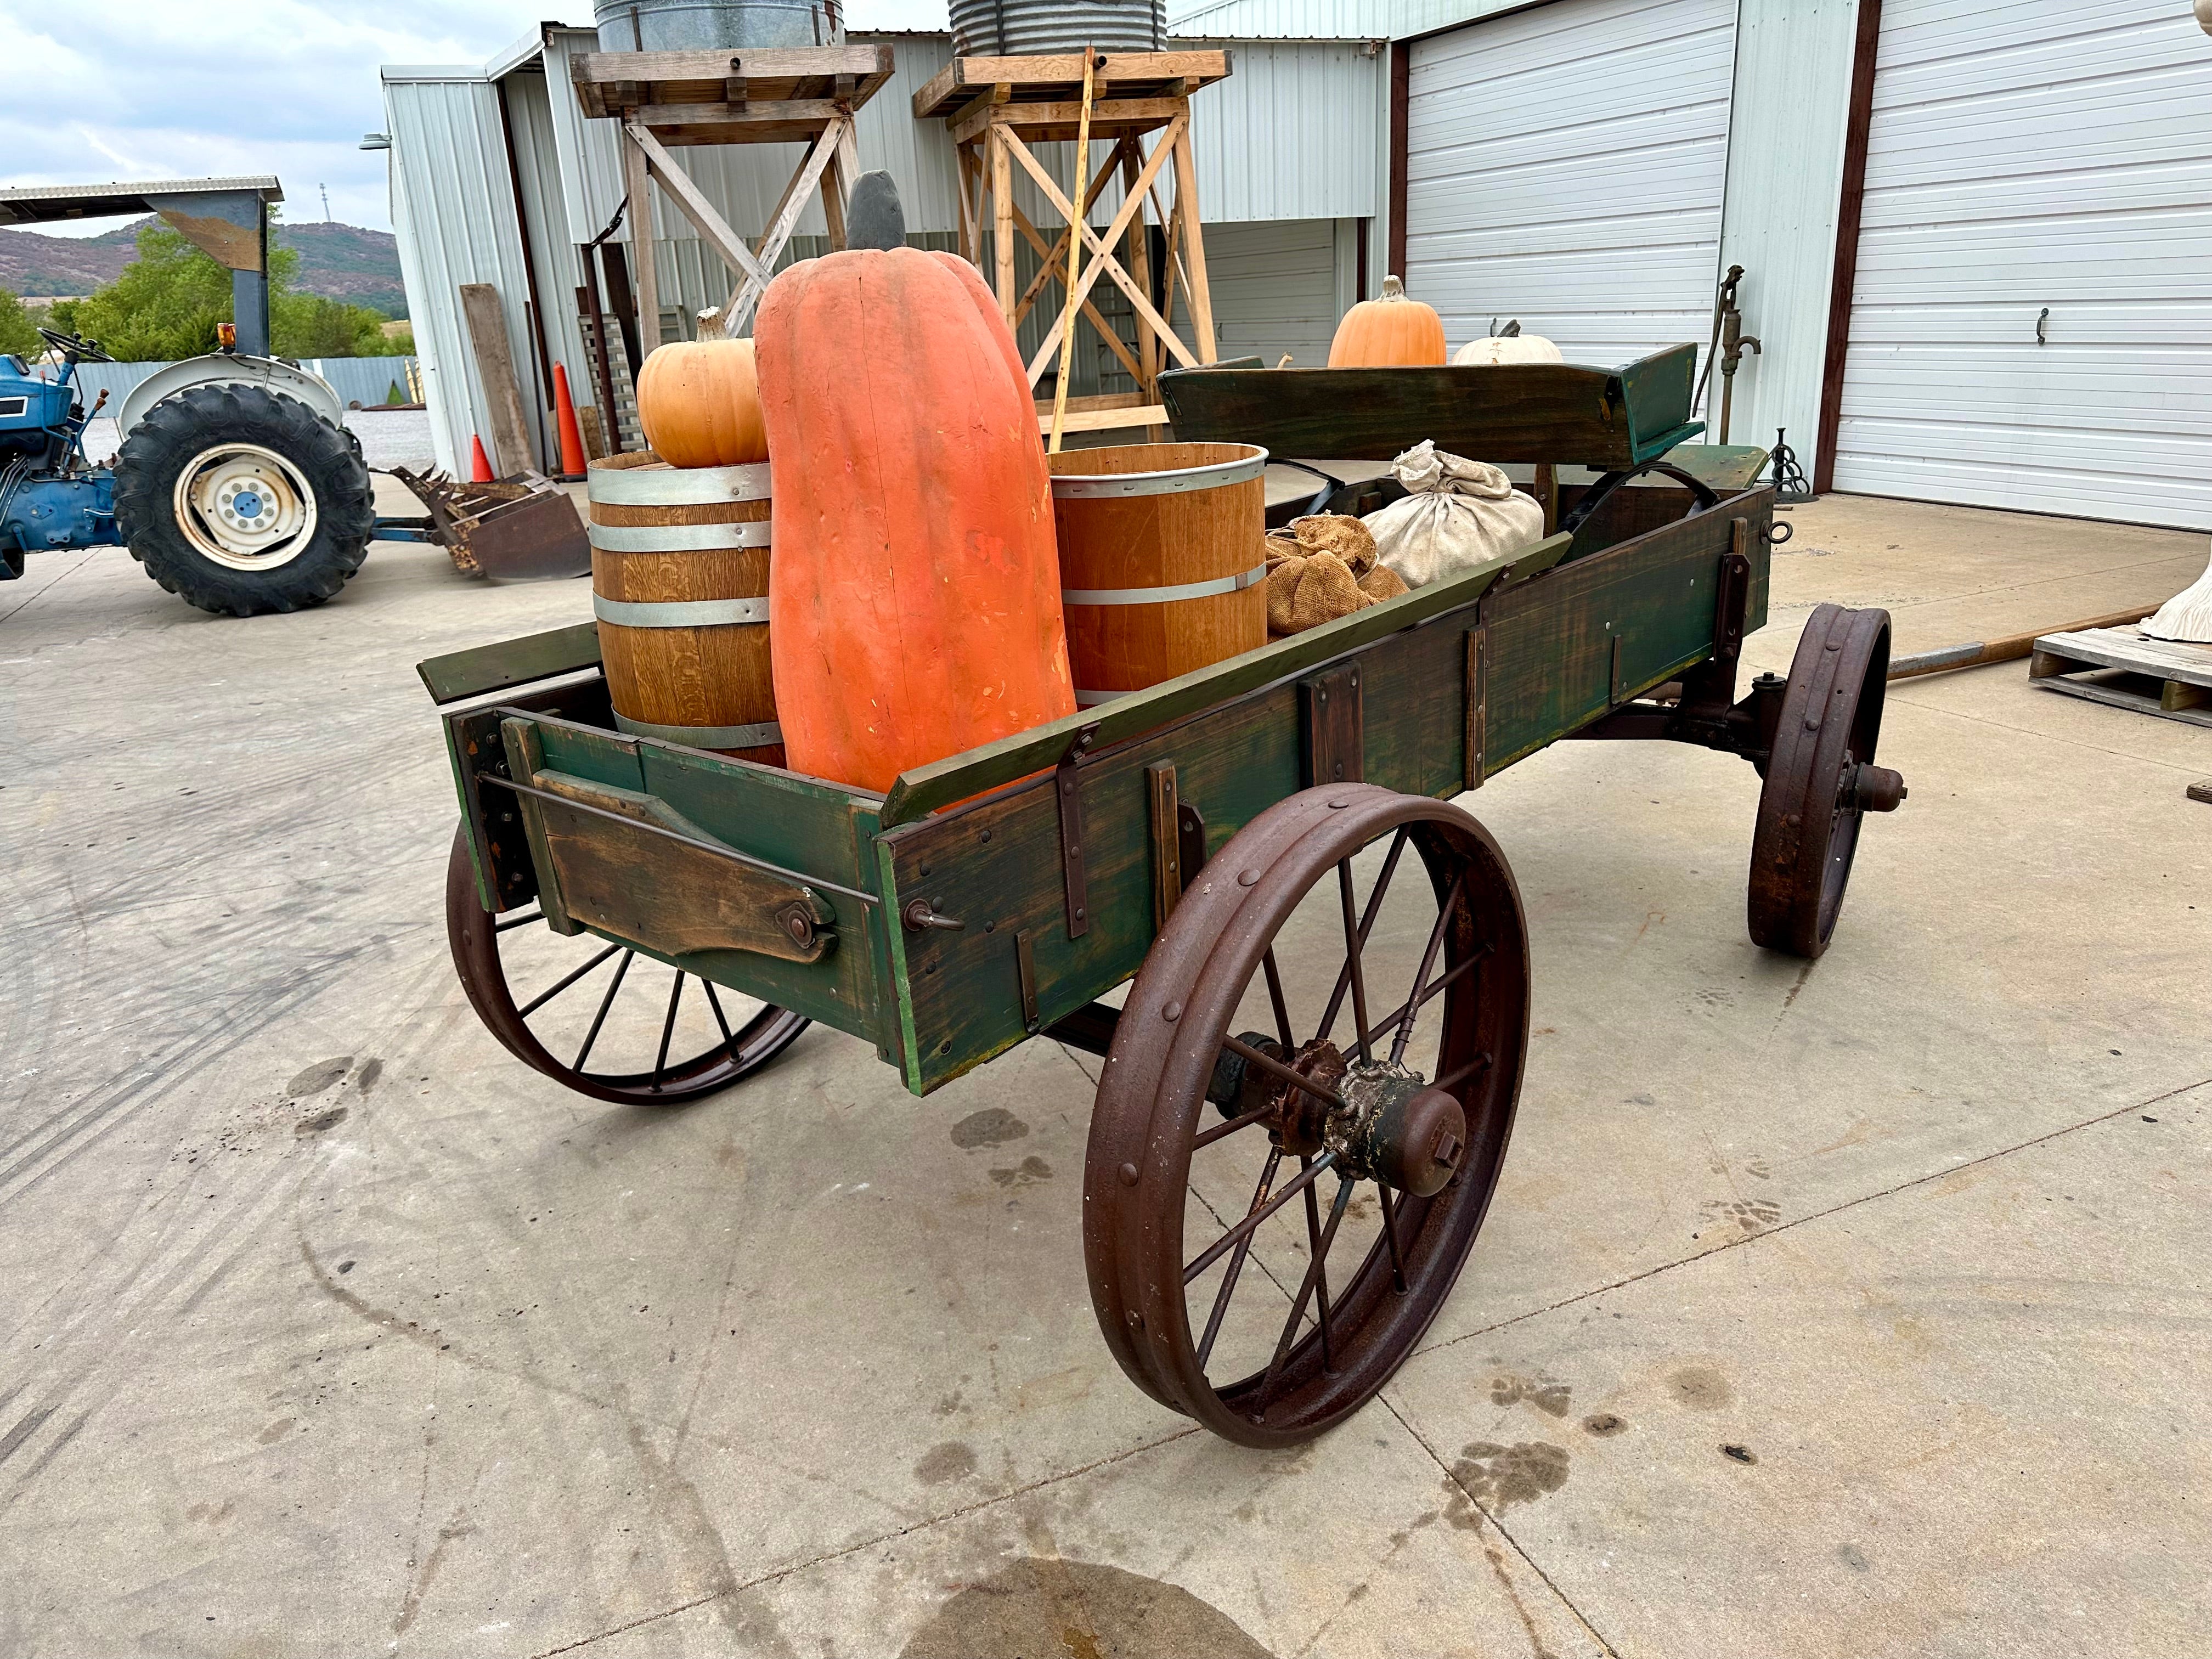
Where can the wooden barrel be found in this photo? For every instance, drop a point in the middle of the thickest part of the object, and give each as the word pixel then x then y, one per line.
pixel 1162 566
pixel 679 584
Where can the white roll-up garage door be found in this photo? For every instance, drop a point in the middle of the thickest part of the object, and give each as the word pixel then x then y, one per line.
pixel 1566 166
pixel 2040 154
pixel 1274 286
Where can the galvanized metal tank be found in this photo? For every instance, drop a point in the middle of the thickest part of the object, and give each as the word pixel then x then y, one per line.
pixel 717 25
pixel 1014 29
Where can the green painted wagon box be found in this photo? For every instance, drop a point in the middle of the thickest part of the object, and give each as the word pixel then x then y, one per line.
pixel 689 856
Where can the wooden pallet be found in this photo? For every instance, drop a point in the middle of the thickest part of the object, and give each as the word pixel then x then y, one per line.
pixel 2126 668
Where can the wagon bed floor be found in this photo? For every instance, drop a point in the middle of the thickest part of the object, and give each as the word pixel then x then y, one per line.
pixel 1849 1309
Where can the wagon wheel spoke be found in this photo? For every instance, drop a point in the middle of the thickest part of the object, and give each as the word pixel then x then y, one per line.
pixel 1223 1130
pixel 544 997
pixel 667 1031
pixel 1250 1225
pixel 1237 1260
pixel 1442 983
pixel 1355 937
pixel 1365 926
pixel 1275 1000
pixel 1391 1233
pixel 1405 1019
pixel 721 1020
pixel 605 1003
pixel 1320 1274
pixel 1315 1276
pixel 513 922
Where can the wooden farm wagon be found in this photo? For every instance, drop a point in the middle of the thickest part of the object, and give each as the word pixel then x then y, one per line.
pixel 1308 1089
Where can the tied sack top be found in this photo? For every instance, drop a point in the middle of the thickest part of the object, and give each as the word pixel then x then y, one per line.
pixel 1457 516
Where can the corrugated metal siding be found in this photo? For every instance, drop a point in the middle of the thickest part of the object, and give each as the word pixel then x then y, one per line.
pixel 1276 288
pixel 2048 153
pixel 455 201
pixel 1793 71
pixel 1297 131
pixel 551 253
pixel 1566 165
pixel 1326 20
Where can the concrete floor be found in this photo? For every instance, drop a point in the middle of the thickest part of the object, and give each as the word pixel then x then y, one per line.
pixel 1858 1310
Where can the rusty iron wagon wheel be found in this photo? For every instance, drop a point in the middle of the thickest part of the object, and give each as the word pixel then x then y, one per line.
pixel 645 1036
pixel 1822 780
pixel 1262 1078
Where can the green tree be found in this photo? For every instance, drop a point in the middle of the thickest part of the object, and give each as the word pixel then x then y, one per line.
pixel 168 302
pixel 17 332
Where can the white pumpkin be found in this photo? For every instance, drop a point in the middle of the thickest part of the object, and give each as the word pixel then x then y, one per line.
pixel 1509 349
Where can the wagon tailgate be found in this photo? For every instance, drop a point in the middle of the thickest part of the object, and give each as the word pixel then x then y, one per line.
pixel 814 829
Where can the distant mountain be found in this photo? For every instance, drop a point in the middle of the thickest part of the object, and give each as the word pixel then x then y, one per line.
pixel 342 261
pixel 348 262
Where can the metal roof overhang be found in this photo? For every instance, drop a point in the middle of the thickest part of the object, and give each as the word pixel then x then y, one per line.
pixel 37 204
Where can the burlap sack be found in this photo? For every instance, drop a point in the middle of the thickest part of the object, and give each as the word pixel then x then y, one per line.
pixel 1320 568
pixel 1457 516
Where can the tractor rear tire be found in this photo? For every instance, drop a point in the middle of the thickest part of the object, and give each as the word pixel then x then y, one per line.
pixel 243 500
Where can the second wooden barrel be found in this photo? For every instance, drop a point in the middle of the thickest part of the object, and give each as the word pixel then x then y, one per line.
pixel 679 584
pixel 1163 561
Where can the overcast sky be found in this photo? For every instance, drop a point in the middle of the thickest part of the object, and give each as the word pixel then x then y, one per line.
pixel 100 90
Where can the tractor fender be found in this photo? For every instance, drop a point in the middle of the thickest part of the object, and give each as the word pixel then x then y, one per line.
pixel 224 368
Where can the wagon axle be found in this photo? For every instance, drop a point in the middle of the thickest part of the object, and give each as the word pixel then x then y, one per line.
pixel 1379 1121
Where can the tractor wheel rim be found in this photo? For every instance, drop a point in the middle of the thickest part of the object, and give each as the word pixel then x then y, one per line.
pixel 246 506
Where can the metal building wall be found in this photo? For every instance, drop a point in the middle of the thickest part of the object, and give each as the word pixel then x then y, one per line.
pixel 1786 156
pixel 1793 78
pixel 455 201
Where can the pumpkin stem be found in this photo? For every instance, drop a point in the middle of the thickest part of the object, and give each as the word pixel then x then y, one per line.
pixel 873 217
pixel 1392 289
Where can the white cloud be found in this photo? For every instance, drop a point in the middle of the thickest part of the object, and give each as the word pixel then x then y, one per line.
pixel 196 87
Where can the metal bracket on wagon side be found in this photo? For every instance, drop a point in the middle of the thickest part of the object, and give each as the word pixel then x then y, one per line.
pixel 1335 727
pixel 1701 708
pixel 1066 789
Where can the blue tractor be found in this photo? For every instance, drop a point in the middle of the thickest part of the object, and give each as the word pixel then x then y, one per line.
pixel 237 485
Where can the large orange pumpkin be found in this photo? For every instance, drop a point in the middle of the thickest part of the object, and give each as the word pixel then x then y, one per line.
pixel 699 403
pixel 915 586
pixel 1393 331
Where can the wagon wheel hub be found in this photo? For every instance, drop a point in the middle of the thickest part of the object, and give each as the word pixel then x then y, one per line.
pixel 1395 1128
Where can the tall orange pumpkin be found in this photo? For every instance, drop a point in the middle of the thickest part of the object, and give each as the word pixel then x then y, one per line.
pixel 913 586
pixel 1393 331
pixel 699 403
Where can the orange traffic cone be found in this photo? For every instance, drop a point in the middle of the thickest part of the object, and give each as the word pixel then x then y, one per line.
pixel 479 463
pixel 571 435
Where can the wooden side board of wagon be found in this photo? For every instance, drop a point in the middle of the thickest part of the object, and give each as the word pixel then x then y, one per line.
pixel 1173 835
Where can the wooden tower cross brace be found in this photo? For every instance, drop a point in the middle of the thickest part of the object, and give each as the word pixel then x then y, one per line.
pixel 998 107
pixel 665 99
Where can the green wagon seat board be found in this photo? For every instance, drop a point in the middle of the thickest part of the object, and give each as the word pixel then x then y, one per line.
pixel 1606 419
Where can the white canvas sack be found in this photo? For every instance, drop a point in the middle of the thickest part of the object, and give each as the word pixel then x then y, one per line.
pixel 1458 515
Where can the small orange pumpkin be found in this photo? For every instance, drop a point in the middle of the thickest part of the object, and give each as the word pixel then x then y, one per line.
pixel 699 403
pixel 1392 332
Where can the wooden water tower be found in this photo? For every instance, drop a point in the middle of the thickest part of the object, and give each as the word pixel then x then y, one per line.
pixel 997 108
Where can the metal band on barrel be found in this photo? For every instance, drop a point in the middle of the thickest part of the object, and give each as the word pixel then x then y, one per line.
pixel 676 538
pixel 706 737
pixel 678 613
pixel 1218 475
pixel 671 486
pixel 1237 584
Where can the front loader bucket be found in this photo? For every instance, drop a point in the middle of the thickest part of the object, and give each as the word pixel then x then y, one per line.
pixel 517 529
